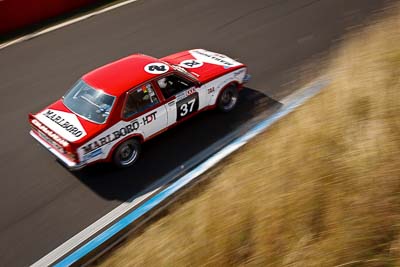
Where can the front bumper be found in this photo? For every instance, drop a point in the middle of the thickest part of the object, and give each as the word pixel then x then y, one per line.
pixel 73 166
pixel 246 78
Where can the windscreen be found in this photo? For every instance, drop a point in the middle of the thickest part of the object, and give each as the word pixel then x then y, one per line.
pixel 182 70
pixel 91 104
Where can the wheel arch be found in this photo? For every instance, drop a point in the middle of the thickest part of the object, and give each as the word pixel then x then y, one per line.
pixel 138 137
pixel 233 82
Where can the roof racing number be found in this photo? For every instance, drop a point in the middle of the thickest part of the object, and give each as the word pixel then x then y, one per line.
pixel 191 63
pixel 156 68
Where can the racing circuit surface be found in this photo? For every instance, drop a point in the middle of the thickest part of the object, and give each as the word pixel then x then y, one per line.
pixel 43 204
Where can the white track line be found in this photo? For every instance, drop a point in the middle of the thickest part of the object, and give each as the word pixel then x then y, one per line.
pixel 64 24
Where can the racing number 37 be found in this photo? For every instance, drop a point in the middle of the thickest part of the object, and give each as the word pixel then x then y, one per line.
pixel 187 106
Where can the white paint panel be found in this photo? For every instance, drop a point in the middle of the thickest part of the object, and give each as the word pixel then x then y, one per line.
pixel 213 58
pixel 65 124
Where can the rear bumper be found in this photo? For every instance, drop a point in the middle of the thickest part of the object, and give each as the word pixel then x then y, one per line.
pixel 73 166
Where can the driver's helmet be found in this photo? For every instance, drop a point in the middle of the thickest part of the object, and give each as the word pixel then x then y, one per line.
pixel 162 83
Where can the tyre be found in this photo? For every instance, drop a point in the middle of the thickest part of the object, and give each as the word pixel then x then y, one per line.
pixel 228 98
pixel 127 153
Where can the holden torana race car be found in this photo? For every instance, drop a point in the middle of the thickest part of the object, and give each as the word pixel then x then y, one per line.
pixel 110 111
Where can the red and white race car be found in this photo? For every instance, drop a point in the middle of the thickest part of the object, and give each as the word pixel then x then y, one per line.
pixel 110 111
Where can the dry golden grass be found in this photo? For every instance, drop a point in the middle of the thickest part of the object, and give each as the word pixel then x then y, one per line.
pixel 320 188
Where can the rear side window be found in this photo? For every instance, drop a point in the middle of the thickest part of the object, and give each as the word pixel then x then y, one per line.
pixel 139 100
pixel 173 84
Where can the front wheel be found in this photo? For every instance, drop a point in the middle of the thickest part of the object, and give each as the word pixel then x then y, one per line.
pixel 127 153
pixel 228 99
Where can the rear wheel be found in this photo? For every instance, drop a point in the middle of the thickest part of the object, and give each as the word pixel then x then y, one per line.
pixel 228 98
pixel 127 153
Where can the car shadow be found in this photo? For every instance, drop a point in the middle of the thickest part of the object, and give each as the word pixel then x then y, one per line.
pixel 171 149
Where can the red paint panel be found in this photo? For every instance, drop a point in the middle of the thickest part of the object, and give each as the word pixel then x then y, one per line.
pixel 119 76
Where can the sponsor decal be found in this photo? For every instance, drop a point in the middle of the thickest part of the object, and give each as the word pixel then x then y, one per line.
pixel 93 154
pixel 185 94
pixel 156 68
pixel 191 63
pixel 65 124
pixel 48 132
pixel 190 91
pixel 213 58
pixel 238 72
pixel 68 126
pixel 211 90
pixel 121 132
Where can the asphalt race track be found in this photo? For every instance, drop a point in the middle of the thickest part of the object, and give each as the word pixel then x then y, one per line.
pixel 41 203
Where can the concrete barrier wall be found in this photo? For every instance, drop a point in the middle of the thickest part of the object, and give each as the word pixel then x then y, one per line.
pixel 16 14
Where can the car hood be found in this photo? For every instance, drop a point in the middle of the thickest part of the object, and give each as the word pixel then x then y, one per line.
pixel 69 126
pixel 204 65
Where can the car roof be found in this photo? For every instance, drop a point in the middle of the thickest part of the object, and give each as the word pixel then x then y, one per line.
pixel 119 76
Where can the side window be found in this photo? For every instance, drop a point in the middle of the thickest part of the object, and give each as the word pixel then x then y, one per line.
pixel 173 84
pixel 139 100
